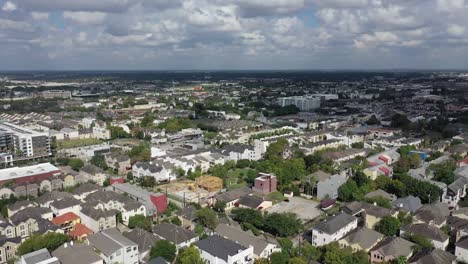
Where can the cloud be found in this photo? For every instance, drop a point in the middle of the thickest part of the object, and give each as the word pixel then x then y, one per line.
pixel 86 18
pixel 233 33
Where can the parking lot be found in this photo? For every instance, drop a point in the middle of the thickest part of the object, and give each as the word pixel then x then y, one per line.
pixel 306 210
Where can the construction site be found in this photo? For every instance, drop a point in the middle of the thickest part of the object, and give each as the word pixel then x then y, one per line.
pixel 189 191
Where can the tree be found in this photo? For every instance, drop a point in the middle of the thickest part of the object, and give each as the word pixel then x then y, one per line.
pixel 405 218
pixel 118 132
pixel 420 242
pixel 129 176
pixel 399 260
pixel 282 224
pixel 444 172
pixel 148 181
pixel 50 241
pixel 163 248
pixel 373 120
pixel 275 150
pixel 141 152
pixel 296 260
pixel 219 206
pixel 279 258
pixel 415 161
pixel 140 221
pixel 350 191
pixel 247 215
pixel 99 161
pixel 189 255
pixel 388 226
pixel 76 164
pixel 207 217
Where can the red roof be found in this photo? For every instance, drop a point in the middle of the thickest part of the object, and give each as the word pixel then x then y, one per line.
pixel 80 230
pixel 117 180
pixel 385 170
pixel 65 218
pixel 371 163
pixel 160 201
pixel 384 159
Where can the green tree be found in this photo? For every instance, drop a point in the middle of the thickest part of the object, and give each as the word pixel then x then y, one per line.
pixel 399 260
pixel 282 224
pixel 388 226
pixel 148 181
pixel 405 218
pixel 275 150
pixel 373 120
pixel 189 255
pixel 415 161
pixel 296 260
pixel 420 242
pixel 279 258
pixel 380 201
pixel 50 241
pixel 247 215
pixel 163 248
pixel 118 132
pixel 99 161
pixel 142 152
pixel 140 221
pixel 207 217
pixel 219 206
pixel 76 164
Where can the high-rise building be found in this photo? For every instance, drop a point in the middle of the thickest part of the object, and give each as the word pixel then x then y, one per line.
pixel 23 142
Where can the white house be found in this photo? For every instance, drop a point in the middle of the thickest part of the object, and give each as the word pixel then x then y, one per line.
pixel 177 235
pixel 461 249
pixel 438 238
pixel 153 169
pixel 333 229
pixel 113 247
pixel 66 205
pixel 218 250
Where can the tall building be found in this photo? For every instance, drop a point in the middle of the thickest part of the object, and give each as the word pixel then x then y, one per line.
pixel 22 142
pixel 302 102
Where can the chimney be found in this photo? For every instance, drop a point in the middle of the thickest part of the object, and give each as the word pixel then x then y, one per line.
pixel 65 245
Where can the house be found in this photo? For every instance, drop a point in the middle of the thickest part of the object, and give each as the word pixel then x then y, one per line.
pixel 438 238
pixel 94 174
pixel 370 214
pixel 381 193
pixel 97 219
pixel 152 169
pixel 144 239
pixel 455 192
pixel 231 197
pixel 253 202
pixel 26 220
pixel 8 247
pixel 218 250
pixel 18 206
pixel 177 235
pixel 47 198
pixel 80 232
pixel 41 256
pixel 391 248
pixel 82 191
pixel 376 170
pixel 100 131
pixel 434 214
pixel 66 205
pixel 408 203
pixel 461 249
pixel 109 200
pixel 153 202
pixel 187 216
pixel 7 229
pixel 328 188
pixel 77 253
pixel 433 256
pixel 333 229
pixel 236 152
pixel 261 246
pixel 119 162
pixel 265 184
pixel 113 247
pixel 361 239
pixel 66 221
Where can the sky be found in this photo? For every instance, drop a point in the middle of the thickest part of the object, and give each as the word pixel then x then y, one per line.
pixel 233 34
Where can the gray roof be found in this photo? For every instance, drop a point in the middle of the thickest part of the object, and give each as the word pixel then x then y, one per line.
pixel 250 201
pixel 259 244
pixel 188 212
pixel 91 169
pixel 102 196
pixel 394 246
pixel 109 241
pixel 76 254
pixel 381 193
pixel 463 242
pixel 85 188
pixel 143 238
pixel 234 194
pixel 409 203
pixel 27 213
pixel 436 213
pixel 19 204
pixel 158 260
pixel 96 214
pixel 52 196
pixel 370 209
pixel 220 247
pixel 427 231
pixel 37 256
pixel 150 166
pixel 432 256
pixel 173 233
pixel 65 203
pixel 334 223
pixel 364 237
pixel 320 175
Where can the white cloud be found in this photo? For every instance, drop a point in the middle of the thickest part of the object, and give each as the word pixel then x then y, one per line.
pixel 456 30
pixel 40 15
pixel 9 7
pixel 86 18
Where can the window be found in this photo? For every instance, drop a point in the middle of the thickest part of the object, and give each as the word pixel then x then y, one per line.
pixel 129 249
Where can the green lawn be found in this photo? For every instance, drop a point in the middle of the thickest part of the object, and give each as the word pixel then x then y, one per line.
pixel 232 181
pixel 78 143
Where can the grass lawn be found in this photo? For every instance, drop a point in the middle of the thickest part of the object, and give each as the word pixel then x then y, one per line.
pixel 275 197
pixel 78 143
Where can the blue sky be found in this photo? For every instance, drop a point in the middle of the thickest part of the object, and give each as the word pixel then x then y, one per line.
pixel 232 34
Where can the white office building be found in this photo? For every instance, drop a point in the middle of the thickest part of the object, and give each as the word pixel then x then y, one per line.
pixel 302 102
